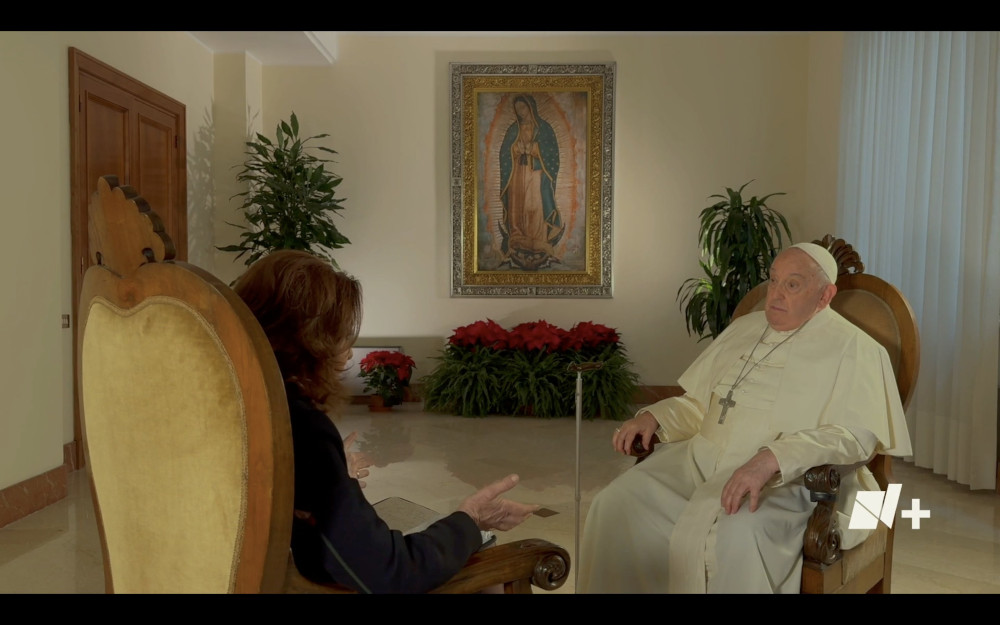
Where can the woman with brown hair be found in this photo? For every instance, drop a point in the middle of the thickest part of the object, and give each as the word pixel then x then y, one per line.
pixel 311 314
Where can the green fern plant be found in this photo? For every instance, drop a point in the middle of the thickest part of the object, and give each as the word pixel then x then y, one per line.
pixel 608 392
pixel 738 240
pixel 537 382
pixel 466 382
pixel 291 197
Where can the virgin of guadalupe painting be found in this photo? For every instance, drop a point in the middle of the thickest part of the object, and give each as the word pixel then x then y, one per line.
pixel 531 225
pixel 533 155
pixel 531 179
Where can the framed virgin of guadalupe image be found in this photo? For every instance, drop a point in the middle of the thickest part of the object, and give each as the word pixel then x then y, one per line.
pixel 531 179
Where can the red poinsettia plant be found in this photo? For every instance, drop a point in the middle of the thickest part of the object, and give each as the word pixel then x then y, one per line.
pixel 534 335
pixel 387 374
pixel 487 369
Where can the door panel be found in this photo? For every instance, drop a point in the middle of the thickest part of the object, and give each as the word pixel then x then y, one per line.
pixel 154 151
pixel 106 134
pixel 122 127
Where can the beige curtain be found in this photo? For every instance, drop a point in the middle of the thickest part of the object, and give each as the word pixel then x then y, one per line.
pixel 919 198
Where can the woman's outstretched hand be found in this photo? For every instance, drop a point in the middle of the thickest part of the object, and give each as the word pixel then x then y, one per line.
pixel 490 511
pixel 357 462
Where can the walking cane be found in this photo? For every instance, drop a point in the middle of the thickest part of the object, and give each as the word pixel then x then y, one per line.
pixel 579 368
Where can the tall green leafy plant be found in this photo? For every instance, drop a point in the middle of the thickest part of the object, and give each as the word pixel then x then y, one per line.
pixel 539 383
pixel 467 382
pixel 607 391
pixel 738 240
pixel 291 200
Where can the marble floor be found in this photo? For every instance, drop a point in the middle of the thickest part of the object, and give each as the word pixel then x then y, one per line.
pixel 437 460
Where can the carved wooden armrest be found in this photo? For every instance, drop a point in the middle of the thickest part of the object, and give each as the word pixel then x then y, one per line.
pixel 641 452
pixel 821 543
pixel 517 565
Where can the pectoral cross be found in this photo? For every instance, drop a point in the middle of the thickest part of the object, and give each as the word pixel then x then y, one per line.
pixel 726 402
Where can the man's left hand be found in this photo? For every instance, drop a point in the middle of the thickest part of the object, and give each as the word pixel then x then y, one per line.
pixel 749 480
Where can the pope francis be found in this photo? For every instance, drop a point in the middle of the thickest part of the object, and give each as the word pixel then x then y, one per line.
pixel 720 506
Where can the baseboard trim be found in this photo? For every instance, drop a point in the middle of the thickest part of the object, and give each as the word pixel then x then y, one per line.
pixel 71 455
pixel 644 396
pixel 33 494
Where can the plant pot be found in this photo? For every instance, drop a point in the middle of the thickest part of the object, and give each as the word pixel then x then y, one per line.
pixel 377 404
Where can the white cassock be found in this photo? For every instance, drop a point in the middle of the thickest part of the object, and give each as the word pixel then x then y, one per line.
pixel 826 396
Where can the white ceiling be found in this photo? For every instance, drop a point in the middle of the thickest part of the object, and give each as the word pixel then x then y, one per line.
pixel 273 47
pixel 319 47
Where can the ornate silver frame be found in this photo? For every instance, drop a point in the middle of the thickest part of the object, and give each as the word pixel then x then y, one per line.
pixel 473 85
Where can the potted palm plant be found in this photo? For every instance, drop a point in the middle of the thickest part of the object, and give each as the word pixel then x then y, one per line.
pixel 738 239
pixel 291 200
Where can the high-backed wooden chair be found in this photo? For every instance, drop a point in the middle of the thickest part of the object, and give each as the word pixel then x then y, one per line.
pixel 186 429
pixel 882 311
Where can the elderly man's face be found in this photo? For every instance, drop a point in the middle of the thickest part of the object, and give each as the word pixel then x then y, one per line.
pixel 794 291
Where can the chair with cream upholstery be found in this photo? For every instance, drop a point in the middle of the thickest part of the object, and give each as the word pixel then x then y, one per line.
pixel 186 429
pixel 882 311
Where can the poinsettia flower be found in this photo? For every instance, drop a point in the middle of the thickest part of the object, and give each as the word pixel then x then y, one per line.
pixel 538 335
pixel 386 357
pixel 486 333
pixel 386 372
pixel 572 341
pixel 393 360
pixel 589 334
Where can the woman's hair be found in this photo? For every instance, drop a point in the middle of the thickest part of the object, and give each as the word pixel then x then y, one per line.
pixel 311 314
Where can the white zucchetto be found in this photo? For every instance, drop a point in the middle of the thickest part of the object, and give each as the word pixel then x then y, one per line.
pixel 823 258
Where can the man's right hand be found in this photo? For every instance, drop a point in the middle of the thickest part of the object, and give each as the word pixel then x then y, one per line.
pixel 641 426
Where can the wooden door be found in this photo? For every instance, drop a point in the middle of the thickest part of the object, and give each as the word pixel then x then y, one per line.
pixel 121 127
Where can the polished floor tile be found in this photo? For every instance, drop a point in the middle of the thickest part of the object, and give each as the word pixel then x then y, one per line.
pixel 437 460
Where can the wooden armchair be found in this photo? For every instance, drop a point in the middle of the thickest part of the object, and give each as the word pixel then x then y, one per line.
pixel 186 429
pixel 882 311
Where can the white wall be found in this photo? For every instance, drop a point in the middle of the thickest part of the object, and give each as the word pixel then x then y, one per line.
pixel 695 112
pixel 34 265
pixel 36 385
